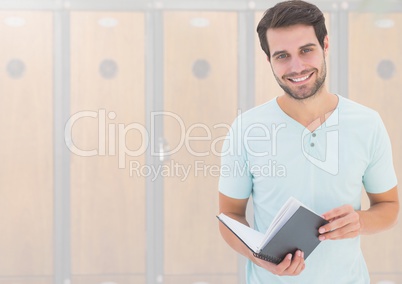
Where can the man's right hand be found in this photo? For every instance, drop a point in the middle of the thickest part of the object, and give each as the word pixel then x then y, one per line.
pixel 290 265
pixel 236 209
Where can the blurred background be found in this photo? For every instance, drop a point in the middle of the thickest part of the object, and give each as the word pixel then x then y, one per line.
pixel 112 118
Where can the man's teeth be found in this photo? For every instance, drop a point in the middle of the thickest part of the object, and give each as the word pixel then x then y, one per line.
pixel 300 79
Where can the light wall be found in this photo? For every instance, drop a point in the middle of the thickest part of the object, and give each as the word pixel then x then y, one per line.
pixel 112 119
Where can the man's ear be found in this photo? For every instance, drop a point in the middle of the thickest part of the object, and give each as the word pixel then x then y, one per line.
pixel 326 45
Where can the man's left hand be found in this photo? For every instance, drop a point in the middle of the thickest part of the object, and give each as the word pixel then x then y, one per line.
pixel 344 222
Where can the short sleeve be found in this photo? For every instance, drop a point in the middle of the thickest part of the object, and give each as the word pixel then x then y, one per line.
pixel 235 178
pixel 380 174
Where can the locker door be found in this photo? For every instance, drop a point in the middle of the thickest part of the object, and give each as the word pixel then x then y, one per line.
pixel 108 109
pixel 375 65
pixel 26 147
pixel 200 71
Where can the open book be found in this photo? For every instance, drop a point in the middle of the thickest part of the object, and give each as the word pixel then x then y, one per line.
pixel 294 227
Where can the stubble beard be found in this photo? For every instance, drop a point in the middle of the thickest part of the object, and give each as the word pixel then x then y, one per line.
pixel 304 93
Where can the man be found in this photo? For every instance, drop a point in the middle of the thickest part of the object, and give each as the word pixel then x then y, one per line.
pixel 311 144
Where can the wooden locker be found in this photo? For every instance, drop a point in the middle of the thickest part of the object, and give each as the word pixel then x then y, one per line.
pixel 200 92
pixel 26 147
pixel 107 112
pixel 375 63
pixel 108 279
pixel 27 280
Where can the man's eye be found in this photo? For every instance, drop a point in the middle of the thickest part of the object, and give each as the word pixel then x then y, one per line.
pixel 306 50
pixel 282 56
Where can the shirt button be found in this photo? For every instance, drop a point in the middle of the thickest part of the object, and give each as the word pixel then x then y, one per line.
pixel 314 135
pixel 312 144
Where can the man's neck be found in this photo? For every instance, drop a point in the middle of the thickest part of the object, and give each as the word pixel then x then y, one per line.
pixel 311 112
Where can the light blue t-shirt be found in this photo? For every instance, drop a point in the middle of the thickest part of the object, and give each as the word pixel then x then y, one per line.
pixel 270 156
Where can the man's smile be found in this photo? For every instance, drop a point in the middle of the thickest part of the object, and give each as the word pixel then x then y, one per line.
pixel 300 79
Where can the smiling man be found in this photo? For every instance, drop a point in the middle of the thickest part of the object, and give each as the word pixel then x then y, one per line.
pixel 304 83
pixel 329 146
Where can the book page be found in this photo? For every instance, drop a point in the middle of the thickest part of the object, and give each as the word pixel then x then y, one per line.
pixel 249 236
pixel 283 215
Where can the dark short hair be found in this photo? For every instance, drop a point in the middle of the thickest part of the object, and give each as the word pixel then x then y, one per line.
pixel 289 13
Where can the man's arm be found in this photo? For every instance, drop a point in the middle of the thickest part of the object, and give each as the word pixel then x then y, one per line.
pixel 345 222
pixel 236 209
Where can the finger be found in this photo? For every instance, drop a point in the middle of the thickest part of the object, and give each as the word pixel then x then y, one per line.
pixel 297 264
pixel 342 225
pixel 347 236
pixel 350 234
pixel 337 212
pixel 345 218
pixel 351 230
pixel 338 223
pixel 285 263
pixel 301 266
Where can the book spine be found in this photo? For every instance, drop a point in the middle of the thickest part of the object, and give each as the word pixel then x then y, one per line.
pixel 272 259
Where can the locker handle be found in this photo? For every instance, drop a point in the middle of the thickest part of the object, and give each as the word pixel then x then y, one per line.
pixel 164 150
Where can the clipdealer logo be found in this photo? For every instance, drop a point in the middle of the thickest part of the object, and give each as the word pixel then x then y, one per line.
pixel 112 141
pixel 330 161
pixel 111 136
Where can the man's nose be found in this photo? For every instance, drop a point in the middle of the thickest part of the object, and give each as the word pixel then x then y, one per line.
pixel 297 65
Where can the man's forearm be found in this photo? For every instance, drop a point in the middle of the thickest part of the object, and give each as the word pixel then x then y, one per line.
pixel 378 217
pixel 231 238
pixel 345 222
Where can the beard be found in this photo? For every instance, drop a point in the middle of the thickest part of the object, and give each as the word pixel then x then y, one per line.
pixel 304 92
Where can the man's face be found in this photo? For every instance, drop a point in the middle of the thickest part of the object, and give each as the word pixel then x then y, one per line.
pixel 297 60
